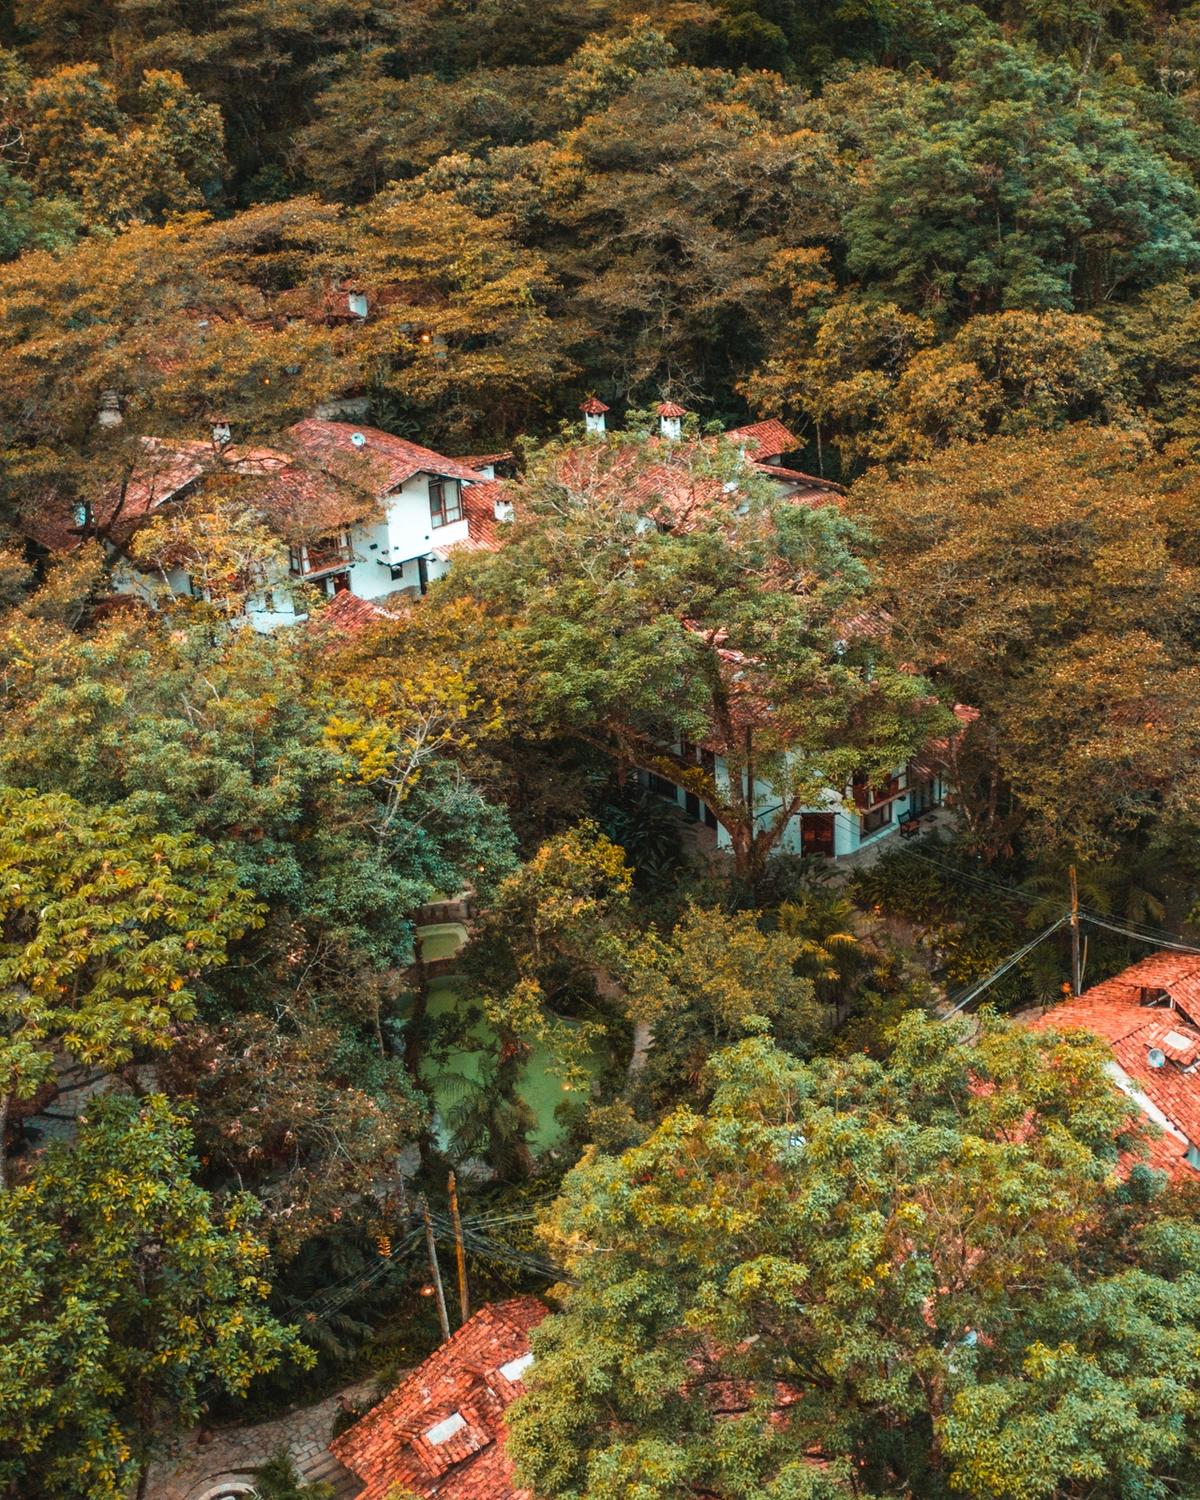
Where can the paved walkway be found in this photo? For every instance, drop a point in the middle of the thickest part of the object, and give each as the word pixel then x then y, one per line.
pixel 232 1454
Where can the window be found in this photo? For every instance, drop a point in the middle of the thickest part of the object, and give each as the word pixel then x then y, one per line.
pixel 879 817
pixel 445 501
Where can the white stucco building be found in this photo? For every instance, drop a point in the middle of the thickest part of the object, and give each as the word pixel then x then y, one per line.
pixel 362 510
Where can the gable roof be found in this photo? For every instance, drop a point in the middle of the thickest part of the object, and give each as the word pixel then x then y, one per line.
pixel 479 507
pixel 164 469
pixel 767 439
pixel 382 461
pixel 1154 1004
pixel 347 615
pixel 441 1431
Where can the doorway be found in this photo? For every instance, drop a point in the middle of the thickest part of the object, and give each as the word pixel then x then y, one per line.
pixel 816 834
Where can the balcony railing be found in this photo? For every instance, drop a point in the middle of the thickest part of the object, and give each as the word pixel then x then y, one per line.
pixel 325 556
pixel 866 797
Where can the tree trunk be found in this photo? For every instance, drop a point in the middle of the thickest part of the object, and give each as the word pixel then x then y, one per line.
pixel 414 1032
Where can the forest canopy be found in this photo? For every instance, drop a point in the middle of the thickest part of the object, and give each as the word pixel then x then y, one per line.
pixel 797 403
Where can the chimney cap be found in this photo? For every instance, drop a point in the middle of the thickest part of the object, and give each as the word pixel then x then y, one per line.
pixel 670 409
pixel 593 408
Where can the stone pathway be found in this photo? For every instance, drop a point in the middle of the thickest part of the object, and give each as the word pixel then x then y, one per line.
pixel 198 1471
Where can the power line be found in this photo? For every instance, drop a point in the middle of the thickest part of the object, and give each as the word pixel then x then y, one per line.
pixel 1010 962
pixel 1143 937
pixel 980 880
pixel 1132 928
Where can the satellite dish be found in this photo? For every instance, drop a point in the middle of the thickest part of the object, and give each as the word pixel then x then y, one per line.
pixel 1156 1057
pixel 358 440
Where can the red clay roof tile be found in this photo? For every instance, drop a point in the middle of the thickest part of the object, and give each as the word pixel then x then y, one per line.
pixel 441 1431
pixel 1154 1004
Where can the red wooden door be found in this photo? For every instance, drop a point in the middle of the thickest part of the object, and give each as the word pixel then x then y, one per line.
pixel 816 834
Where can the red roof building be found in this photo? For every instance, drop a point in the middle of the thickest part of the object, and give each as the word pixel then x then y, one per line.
pixel 441 1431
pixel 347 615
pixel 1150 1017
pixel 764 442
pixel 369 455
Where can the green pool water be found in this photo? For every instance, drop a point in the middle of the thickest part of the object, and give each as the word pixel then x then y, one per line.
pixel 442 940
pixel 542 1087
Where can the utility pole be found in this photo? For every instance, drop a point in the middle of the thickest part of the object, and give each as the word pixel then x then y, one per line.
pixel 1076 966
pixel 464 1300
pixel 434 1269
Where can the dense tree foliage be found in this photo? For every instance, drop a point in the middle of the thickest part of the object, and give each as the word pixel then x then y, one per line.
pixel 922 1267
pixel 695 629
pixel 293 924
pixel 126 1292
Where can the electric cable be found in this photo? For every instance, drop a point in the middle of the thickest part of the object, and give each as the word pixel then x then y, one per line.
pixel 977 988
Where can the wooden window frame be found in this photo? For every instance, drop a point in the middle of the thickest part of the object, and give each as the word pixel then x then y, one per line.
pixel 441 513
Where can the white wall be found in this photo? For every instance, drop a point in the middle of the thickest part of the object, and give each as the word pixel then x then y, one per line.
pixel 395 539
pixel 847 835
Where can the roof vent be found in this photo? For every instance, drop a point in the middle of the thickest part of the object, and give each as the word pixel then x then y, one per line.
pixel 358 440
pixel 1156 1057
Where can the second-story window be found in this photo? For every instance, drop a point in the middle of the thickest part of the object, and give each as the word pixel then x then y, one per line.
pixel 445 501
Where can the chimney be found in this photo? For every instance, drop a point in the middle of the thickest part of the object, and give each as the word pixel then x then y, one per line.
pixel 109 414
pixel 593 416
pixel 221 430
pixel 670 420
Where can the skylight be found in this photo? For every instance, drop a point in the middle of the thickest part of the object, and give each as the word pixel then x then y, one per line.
pixel 446 1429
pixel 515 1368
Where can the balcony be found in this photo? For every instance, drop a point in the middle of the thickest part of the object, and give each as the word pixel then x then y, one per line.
pixel 329 555
pixel 867 797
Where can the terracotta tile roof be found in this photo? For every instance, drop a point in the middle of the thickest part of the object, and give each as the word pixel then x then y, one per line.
pixel 593 408
pixel 167 468
pixel 764 440
pixel 815 491
pixel 1153 1004
pixel 346 614
pixel 304 501
pixel 669 491
pixel 381 462
pixel 670 409
pixel 480 461
pixel 441 1431
pixel 162 469
pixel 479 507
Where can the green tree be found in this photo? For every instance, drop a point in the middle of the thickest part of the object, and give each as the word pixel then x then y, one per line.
pixel 167 158
pixel 127 1293
pixel 921 1271
pixel 662 601
pixel 557 924
pixel 301 1113
pixel 1011 185
pixel 1050 579
pixel 715 979
pixel 105 927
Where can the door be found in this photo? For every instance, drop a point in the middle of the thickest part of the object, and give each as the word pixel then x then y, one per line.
pixel 816 834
